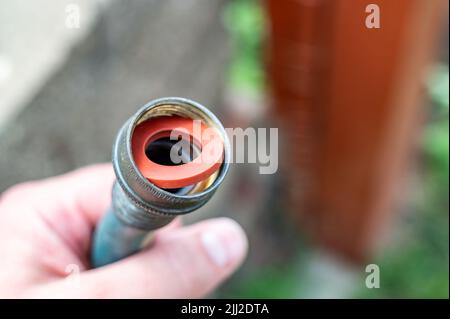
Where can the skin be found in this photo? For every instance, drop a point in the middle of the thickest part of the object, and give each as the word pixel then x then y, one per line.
pixel 45 235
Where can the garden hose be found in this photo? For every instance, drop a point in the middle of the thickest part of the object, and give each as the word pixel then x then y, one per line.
pixel 150 188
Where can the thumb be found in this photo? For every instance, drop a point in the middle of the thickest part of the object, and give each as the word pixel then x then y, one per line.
pixel 188 262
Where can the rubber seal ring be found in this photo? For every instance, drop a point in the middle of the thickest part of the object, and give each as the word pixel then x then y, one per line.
pixel 207 139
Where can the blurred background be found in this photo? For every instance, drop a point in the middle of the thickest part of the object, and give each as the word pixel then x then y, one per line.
pixel 363 116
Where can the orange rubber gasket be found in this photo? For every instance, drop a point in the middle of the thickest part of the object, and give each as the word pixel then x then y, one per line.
pixel 180 175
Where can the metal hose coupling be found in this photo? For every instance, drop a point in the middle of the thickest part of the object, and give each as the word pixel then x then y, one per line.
pixel 152 188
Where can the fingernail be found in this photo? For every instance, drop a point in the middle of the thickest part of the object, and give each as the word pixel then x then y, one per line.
pixel 224 242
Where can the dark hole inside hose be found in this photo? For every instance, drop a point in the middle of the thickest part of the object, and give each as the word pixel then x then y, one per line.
pixel 159 150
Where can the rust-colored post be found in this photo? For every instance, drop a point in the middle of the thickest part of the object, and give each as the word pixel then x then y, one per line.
pixel 349 98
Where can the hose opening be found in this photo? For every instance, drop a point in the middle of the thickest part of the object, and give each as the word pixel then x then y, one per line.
pixel 177 165
pixel 159 151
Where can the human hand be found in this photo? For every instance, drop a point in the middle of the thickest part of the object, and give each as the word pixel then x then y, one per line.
pixel 46 228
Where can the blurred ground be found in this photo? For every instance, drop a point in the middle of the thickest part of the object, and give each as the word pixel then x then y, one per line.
pixel 132 54
pixel 33 46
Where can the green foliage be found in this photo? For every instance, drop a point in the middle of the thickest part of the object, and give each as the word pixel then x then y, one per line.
pixel 244 20
pixel 268 282
pixel 438 87
pixel 436 140
pixel 418 267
